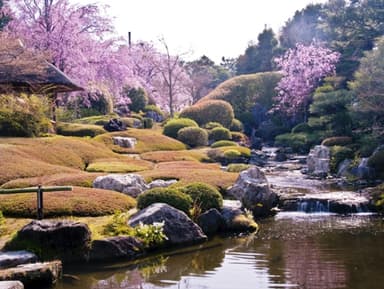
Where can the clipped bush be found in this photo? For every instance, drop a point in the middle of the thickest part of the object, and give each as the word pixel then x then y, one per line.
pixel 210 111
pixel 223 143
pixel 220 133
pixel 338 154
pixel 236 125
pixel 172 197
pixel 173 126
pixel 232 154
pixel 301 127
pixel 138 97
pixel 76 129
pixel 212 124
pixel 239 137
pixel 23 116
pixel 337 141
pixel 147 122
pixel 132 122
pixel 204 196
pixel 237 168
pixel 193 136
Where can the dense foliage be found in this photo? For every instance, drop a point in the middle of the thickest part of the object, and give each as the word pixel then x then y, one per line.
pixel 204 196
pixel 193 136
pixel 173 126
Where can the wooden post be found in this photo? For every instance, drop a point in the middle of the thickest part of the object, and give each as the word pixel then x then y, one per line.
pixel 39 203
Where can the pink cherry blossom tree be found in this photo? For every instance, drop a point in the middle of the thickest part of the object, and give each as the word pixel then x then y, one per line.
pixel 303 68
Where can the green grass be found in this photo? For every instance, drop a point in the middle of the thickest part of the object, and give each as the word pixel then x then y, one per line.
pixel 126 165
pixel 170 156
pixel 77 129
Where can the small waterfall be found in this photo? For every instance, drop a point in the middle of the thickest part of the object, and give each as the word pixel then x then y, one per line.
pixel 313 206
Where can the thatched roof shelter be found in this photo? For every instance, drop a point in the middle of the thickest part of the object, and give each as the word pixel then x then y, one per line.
pixel 42 78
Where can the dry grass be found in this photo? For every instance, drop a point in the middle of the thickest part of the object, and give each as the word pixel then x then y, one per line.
pixel 170 156
pixel 192 171
pixel 79 202
pixel 147 140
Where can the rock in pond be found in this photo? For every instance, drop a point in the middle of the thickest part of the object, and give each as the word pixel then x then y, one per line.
pixel 252 189
pixel 211 222
pixel 235 219
pixel 178 227
pixel 35 275
pixel 65 240
pixel 15 258
pixel 11 285
pixel 115 248
pixel 130 184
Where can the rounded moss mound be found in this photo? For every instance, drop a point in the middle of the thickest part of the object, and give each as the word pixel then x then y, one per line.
pixel 236 125
pixel 76 129
pixel 220 133
pixel 170 196
pixel 210 111
pixel 204 196
pixel 193 136
pixel 174 125
pixel 223 143
pixel 78 202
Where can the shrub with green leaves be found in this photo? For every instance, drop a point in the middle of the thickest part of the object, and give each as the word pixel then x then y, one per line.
pixel 138 97
pixel 338 154
pixel 236 125
pixel 301 127
pixel 152 235
pixel 118 225
pixel 212 124
pixel 193 136
pixel 232 154
pixel 172 197
pixel 77 129
pixel 210 111
pixel 299 142
pixel 23 116
pixel 147 122
pixel 173 126
pixel 223 143
pixel 204 196
pixel 220 133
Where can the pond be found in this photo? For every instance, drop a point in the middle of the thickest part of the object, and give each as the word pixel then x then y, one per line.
pixel 291 250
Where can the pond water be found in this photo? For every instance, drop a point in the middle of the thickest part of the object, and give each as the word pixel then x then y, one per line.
pixel 291 250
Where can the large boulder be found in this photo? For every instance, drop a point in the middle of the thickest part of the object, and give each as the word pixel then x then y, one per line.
pixel 211 222
pixel 235 220
pixel 65 240
pixel 125 142
pixel 130 184
pixel 113 248
pixel 115 124
pixel 318 161
pixel 15 258
pixel 178 227
pixel 252 189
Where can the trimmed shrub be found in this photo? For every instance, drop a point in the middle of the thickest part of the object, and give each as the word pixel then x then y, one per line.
pixel 223 143
pixel 138 97
pixel 147 122
pixel 236 125
pixel 76 129
pixel 237 168
pixel 338 154
pixel 337 141
pixel 210 111
pixel 173 126
pixel 23 116
pixel 302 127
pixel 204 196
pixel 212 124
pixel 132 122
pixel 232 154
pixel 172 197
pixel 193 136
pixel 220 133
pixel 239 137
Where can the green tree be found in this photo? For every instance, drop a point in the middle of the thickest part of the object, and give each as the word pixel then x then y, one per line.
pixel 259 57
pixel 369 85
pixel 138 97
pixel 4 16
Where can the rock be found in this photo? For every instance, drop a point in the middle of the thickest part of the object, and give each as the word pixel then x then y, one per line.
pixel 36 275
pixel 115 125
pixel 15 258
pixel 318 161
pixel 157 117
pixel 211 222
pixel 252 189
pixel 115 248
pixel 236 221
pixel 161 183
pixel 125 142
pixel 65 240
pixel 11 285
pixel 130 184
pixel 258 158
pixel 280 157
pixel 178 227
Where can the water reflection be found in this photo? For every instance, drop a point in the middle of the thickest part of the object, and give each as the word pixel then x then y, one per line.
pixel 289 252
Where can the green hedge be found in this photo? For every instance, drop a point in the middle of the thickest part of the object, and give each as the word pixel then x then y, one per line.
pixel 172 197
pixel 210 111
pixel 173 126
pixel 193 136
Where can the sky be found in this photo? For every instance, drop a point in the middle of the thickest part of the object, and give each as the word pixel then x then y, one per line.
pixel 193 28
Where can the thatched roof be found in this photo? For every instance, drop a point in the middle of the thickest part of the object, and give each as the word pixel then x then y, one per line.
pixel 40 78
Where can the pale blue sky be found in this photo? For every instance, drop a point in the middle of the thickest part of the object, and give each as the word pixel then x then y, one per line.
pixel 210 27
